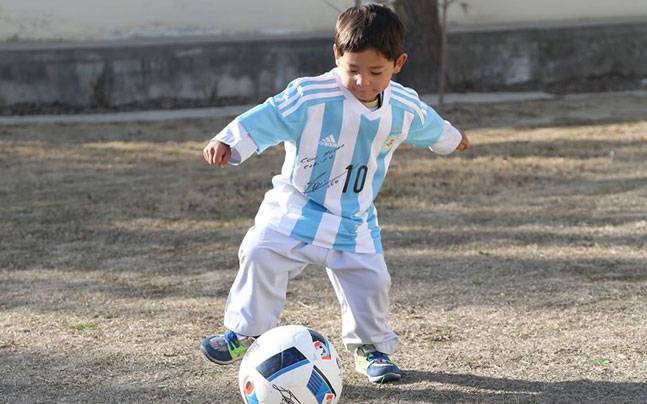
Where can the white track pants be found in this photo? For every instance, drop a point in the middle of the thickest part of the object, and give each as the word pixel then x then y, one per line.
pixel 268 259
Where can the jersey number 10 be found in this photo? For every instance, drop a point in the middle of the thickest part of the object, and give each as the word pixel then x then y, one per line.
pixel 360 178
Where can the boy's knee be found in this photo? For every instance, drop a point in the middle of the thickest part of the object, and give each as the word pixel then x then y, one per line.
pixel 254 253
pixel 379 280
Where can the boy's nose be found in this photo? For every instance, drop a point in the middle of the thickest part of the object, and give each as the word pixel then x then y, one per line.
pixel 360 81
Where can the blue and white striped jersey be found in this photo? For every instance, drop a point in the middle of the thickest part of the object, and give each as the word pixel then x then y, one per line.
pixel 337 153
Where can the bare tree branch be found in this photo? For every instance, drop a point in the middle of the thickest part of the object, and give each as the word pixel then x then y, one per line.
pixel 333 6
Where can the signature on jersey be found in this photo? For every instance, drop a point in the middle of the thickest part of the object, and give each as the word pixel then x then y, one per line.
pixel 320 182
pixel 310 162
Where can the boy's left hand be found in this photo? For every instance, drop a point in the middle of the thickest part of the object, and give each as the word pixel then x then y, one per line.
pixel 464 144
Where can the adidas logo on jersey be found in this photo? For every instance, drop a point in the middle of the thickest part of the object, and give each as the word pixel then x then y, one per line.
pixel 328 141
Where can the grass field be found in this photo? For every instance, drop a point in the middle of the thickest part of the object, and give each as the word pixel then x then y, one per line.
pixel 519 267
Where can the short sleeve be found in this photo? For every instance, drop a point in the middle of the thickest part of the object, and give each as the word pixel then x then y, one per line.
pixel 261 127
pixel 269 126
pixel 426 128
pixel 429 129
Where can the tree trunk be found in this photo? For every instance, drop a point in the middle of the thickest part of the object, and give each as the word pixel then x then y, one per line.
pixel 423 43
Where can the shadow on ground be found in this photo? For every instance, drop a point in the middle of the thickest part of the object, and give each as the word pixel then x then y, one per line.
pixel 490 389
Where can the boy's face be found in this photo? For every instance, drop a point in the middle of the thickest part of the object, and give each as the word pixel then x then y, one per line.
pixel 367 73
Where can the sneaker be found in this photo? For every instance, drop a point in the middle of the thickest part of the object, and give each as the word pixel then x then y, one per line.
pixel 225 349
pixel 376 366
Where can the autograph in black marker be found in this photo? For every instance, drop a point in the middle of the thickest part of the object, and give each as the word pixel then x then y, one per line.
pixel 317 184
pixel 310 162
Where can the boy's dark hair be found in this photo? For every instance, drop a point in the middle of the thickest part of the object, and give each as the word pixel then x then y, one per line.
pixel 370 26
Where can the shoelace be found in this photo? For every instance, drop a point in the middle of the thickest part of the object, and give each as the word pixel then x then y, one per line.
pixel 231 339
pixel 378 357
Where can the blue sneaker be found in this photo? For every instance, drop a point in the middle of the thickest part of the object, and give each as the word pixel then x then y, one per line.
pixel 225 349
pixel 376 365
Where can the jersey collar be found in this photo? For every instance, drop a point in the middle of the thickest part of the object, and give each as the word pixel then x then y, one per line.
pixel 357 104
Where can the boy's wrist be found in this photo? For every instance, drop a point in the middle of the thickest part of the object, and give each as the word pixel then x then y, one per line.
pixel 239 142
pixel 448 140
pixel 219 142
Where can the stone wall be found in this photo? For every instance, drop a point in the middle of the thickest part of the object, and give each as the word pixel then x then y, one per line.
pixel 191 72
pixel 587 58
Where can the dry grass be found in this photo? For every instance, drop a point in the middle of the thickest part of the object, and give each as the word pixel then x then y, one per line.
pixel 519 268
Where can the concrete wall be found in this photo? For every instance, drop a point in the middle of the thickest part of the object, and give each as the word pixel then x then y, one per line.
pixel 152 74
pixel 201 72
pixel 118 19
pixel 499 13
pixel 566 59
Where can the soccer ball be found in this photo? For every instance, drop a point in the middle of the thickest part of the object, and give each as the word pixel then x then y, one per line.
pixel 291 364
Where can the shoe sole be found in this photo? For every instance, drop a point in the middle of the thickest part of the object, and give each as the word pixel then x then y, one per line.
pixel 386 378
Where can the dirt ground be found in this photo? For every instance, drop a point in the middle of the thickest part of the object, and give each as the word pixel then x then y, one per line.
pixel 519 268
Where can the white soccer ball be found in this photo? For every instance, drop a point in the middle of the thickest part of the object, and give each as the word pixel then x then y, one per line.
pixel 291 364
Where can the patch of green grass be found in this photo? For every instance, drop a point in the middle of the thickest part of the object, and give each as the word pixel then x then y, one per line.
pixel 84 325
pixel 601 362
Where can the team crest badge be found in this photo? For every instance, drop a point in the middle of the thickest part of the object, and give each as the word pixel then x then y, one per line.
pixel 389 142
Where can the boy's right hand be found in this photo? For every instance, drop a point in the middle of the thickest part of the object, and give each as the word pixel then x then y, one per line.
pixel 216 152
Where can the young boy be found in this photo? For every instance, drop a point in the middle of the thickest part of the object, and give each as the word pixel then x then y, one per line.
pixel 340 130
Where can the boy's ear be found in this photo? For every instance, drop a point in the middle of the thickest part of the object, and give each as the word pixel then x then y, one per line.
pixel 335 52
pixel 399 62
